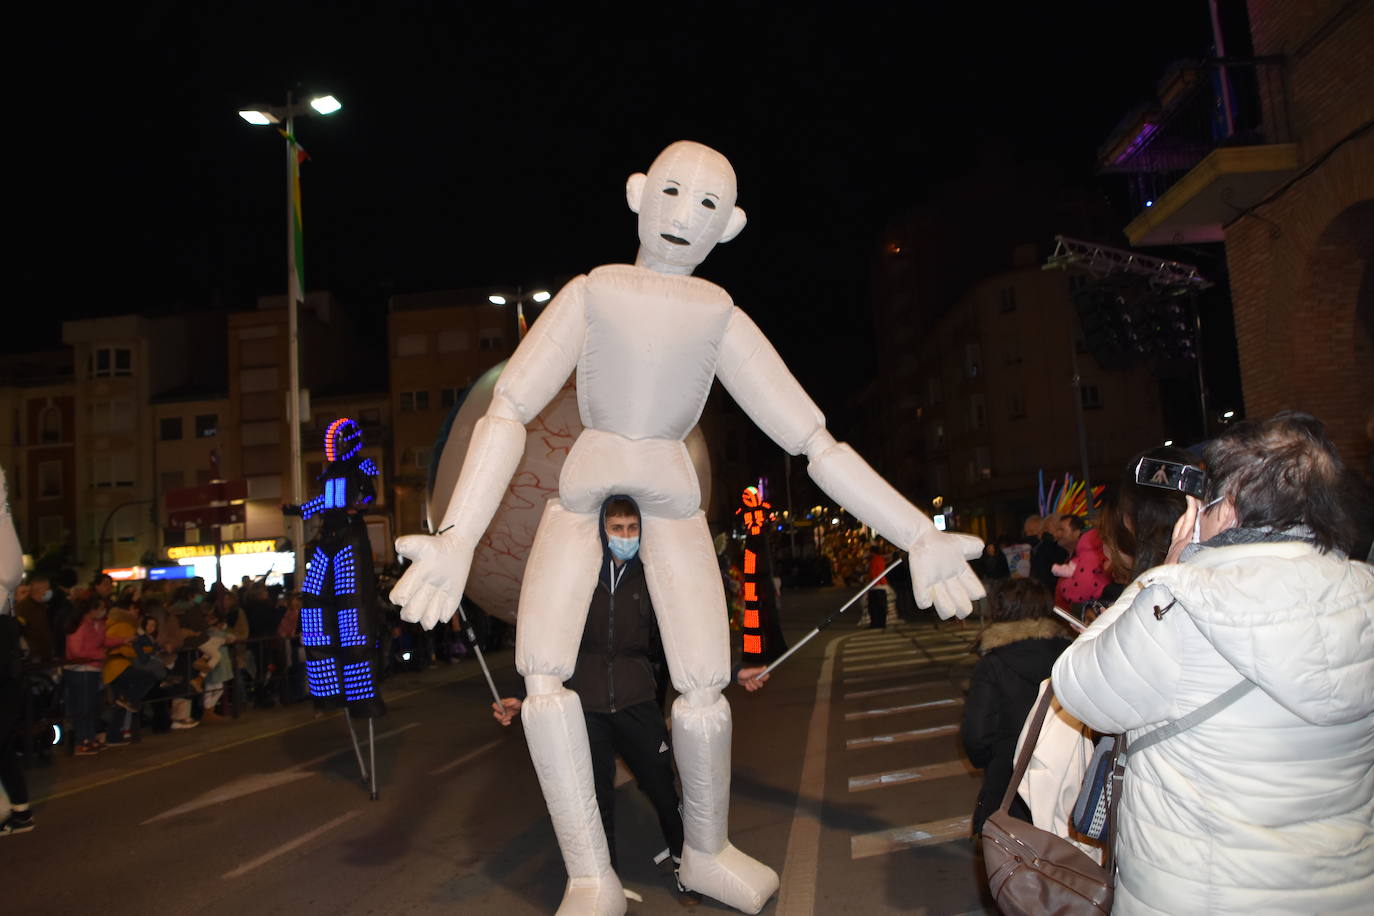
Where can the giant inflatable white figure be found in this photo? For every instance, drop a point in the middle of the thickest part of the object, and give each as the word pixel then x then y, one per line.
pixel 646 342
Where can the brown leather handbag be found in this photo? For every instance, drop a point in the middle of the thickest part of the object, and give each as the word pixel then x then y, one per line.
pixel 1032 872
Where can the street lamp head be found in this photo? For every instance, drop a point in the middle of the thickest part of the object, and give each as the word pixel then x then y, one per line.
pixel 260 116
pixel 496 300
pixel 542 296
pixel 325 104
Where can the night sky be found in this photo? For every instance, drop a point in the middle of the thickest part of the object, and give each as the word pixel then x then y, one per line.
pixel 488 144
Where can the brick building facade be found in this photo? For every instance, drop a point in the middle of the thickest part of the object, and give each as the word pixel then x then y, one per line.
pixel 1300 260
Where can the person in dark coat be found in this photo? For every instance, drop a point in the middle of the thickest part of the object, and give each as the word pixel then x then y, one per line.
pixel 1018 651
pixel 1045 550
pixel 617 679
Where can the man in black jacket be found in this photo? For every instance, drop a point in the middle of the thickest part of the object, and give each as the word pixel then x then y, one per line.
pixel 616 679
pixel 619 663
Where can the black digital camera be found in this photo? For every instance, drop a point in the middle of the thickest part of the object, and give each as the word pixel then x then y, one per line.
pixel 1171 475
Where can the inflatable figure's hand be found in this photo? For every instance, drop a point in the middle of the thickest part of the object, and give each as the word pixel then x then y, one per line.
pixel 431 588
pixel 940 575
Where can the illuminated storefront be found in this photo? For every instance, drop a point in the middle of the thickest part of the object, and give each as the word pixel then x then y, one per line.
pixel 255 559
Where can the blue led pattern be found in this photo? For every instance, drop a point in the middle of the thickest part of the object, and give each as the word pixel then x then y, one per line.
pixel 315 573
pixel 334 495
pixel 345 572
pixel 350 633
pixel 357 677
pixel 368 467
pixel 312 627
pixel 324 679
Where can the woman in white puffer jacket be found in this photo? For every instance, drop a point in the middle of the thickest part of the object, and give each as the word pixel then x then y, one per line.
pixel 1268 806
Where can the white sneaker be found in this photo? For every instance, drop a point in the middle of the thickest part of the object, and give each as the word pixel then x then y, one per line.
pixel 184 723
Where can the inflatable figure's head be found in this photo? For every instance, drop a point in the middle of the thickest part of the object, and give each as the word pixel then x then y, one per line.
pixel 342 440
pixel 686 204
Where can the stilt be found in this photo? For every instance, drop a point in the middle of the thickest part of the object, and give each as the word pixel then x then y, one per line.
pixel 357 752
pixel 372 757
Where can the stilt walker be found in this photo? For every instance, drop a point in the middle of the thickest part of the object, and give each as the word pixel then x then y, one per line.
pixel 339 616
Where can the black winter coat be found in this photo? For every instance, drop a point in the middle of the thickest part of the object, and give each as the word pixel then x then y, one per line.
pixel 621 651
pixel 616 663
pixel 1017 656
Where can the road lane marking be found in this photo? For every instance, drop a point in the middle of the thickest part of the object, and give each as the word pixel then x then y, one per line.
pixel 259 782
pixel 797 889
pixel 289 845
pixel 453 764
pixel 898 710
pixel 911 675
pixel 909 774
pixel 914 660
pixel 882 842
pixel 923 684
pixel 918 734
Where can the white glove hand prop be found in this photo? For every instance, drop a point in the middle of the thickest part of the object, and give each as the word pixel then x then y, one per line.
pixel 431 588
pixel 940 573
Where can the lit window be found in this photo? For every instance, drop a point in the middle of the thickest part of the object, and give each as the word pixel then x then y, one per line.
pixel 207 425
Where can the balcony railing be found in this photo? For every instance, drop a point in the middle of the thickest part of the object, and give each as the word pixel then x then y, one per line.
pixel 1201 106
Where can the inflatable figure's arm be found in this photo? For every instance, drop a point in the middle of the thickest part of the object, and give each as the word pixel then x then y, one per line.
pixel 430 590
pixel 759 381
pixel 369 467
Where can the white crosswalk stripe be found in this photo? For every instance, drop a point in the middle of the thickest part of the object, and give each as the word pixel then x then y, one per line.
pixel 922 672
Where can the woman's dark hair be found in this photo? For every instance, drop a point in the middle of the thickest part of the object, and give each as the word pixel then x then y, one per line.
pixel 83 607
pixel 1280 473
pixel 1021 599
pixel 1138 533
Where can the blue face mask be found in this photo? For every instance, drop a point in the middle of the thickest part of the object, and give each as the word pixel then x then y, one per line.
pixel 623 549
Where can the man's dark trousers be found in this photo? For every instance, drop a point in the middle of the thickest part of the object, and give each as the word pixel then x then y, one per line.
pixel 638 735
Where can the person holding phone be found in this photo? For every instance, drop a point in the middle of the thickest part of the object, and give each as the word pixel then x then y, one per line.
pixel 1265 804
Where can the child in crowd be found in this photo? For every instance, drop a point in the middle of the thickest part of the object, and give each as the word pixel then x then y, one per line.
pixel 81 675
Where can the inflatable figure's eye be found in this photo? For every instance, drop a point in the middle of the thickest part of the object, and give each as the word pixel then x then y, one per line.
pixel 670 191
pixel 708 203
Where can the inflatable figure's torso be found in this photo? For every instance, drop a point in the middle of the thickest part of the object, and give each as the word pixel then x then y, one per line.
pixel 650 352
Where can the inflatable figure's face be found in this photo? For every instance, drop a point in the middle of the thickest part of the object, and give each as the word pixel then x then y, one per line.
pixel 686 204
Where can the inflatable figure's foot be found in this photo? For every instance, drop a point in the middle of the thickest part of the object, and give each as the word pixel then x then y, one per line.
pixel 729 876
pixel 601 895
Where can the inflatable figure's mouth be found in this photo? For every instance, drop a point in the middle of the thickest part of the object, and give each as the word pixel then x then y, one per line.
pixel 676 240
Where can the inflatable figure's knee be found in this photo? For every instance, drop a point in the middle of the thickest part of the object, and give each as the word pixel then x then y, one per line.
pixel 729 876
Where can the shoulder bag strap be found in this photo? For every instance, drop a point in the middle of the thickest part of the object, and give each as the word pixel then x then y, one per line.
pixel 1196 717
pixel 1028 748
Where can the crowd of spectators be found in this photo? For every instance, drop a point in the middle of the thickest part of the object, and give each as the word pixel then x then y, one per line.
pixel 102 662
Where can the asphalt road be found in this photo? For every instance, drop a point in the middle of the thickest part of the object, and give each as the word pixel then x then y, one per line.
pixel 848 779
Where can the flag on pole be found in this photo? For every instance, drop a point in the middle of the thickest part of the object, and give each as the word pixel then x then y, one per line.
pixel 520 319
pixel 298 155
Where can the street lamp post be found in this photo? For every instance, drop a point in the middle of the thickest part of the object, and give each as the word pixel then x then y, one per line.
pixel 295 286
pixel 538 296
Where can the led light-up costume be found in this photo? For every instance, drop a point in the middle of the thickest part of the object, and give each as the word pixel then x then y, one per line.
pixel 646 342
pixel 339 627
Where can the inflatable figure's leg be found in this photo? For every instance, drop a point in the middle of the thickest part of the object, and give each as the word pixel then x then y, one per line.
pixel 684 583
pixel 554 597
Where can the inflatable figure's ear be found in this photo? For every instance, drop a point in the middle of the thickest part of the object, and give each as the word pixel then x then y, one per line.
pixel 634 190
pixel 735 226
